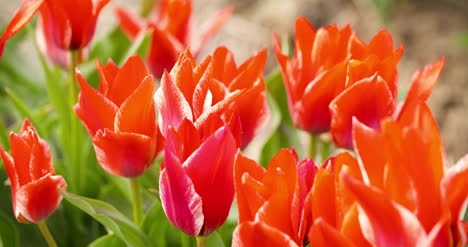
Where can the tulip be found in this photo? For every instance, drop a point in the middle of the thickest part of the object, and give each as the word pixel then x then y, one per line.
pixel 335 215
pixel 402 185
pixel 217 85
pixel 35 188
pixel 334 76
pixel 63 24
pixel 316 74
pixel 371 87
pixel 172 31
pixel 120 117
pixel 196 180
pixel 273 203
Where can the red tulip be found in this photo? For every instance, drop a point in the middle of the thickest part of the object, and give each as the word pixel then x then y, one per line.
pixel 217 85
pixel 335 214
pixel 316 74
pixel 196 181
pixel 371 87
pixel 66 24
pixel 335 76
pixel 35 188
pixel 120 116
pixel 274 204
pixel 172 32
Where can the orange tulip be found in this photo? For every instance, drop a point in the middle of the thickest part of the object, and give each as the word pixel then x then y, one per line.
pixel 217 85
pixel 316 74
pixel 274 204
pixel 335 214
pixel 172 32
pixel 401 187
pixel 35 188
pixel 335 76
pixel 120 116
pixel 64 24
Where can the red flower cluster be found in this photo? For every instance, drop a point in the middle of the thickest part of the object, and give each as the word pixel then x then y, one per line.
pixel 171 25
pixel 334 76
pixel 207 111
pixel 397 192
pixel 215 86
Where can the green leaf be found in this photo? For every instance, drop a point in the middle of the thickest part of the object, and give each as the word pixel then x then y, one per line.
pixel 109 240
pixel 284 134
pixel 111 46
pixel 23 110
pixel 155 224
pixel 9 236
pixel 140 46
pixel 111 218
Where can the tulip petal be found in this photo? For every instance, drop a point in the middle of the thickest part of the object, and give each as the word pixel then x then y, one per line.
pixel 454 188
pixel 9 164
pixel 184 141
pixel 183 78
pixel 369 100
pixel 312 113
pixel 281 180
pixel 129 77
pixel 383 222
pixel 181 203
pixel 225 68
pixel 382 44
pixel 38 200
pixel 21 17
pixel 107 75
pixel 422 84
pixel 21 153
pixel 130 24
pixel 137 113
pixel 368 145
pixel 172 104
pixel 323 234
pixel 124 154
pixel 324 196
pixel 216 188
pixel 258 234
pixel 163 53
pixel 93 108
pixel 249 198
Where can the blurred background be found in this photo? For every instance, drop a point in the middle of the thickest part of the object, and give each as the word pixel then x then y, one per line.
pixel 428 29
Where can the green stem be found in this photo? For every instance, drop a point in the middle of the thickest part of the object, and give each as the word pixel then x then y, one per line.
pixel 326 148
pixel 75 134
pixel 313 146
pixel 202 242
pixel 136 201
pixel 46 233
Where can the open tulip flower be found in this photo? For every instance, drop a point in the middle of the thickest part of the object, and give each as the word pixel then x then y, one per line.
pixel 172 32
pixel 196 182
pixel 35 188
pixel 121 118
pixel 404 187
pixel 217 85
pixel 63 24
pixel 335 76
pixel 274 203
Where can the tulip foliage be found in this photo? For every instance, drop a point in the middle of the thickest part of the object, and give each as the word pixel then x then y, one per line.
pixel 137 140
